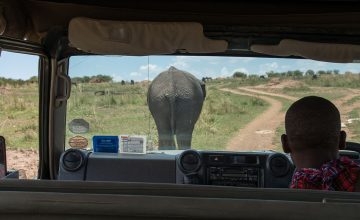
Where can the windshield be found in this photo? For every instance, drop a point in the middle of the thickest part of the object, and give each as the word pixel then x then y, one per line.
pixel 207 103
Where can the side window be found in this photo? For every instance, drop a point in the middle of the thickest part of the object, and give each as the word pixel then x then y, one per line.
pixel 19 107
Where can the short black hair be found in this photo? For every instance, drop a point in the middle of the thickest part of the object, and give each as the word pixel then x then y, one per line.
pixel 313 122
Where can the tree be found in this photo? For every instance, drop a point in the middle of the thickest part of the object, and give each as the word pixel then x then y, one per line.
pixel 298 73
pixel 321 72
pixel 33 79
pixel 272 74
pixel 336 72
pixel 309 73
pixel 329 72
pixel 239 75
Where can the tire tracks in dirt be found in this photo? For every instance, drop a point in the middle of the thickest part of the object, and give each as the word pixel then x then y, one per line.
pixel 259 133
pixel 345 109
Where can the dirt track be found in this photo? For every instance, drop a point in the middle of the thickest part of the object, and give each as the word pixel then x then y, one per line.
pixel 26 161
pixel 259 133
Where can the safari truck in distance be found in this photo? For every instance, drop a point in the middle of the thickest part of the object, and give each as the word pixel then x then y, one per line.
pixel 93 136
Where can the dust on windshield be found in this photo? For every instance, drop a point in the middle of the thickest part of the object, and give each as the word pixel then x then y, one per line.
pixel 208 103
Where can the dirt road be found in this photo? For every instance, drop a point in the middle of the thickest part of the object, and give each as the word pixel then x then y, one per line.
pixel 251 90
pixel 259 133
pixel 26 161
pixel 345 109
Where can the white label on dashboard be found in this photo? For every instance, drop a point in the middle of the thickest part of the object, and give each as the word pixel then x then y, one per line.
pixel 132 144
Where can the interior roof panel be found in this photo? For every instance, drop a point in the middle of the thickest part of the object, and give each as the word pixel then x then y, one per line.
pixel 239 22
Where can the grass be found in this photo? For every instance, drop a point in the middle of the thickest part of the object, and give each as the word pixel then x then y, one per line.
pixel 118 109
pixel 353 100
pixel 355 125
pixel 223 114
pixel 19 118
pixel 342 80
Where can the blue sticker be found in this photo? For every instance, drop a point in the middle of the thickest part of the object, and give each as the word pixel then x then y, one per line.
pixel 108 144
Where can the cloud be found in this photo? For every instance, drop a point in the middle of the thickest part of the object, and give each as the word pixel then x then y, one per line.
pixel 272 65
pixel 224 72
pixel 181 62
pixel 266 67
pixel 117 77
pixel 135 74
pixel 151 67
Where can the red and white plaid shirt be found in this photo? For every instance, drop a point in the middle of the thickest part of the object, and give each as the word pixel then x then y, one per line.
pixel 336 175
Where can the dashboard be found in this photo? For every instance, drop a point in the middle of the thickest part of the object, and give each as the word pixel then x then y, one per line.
pixel 260 169
pixel 263 169
pixel 245 169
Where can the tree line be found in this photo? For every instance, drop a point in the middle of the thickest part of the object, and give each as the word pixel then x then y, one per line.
pixel 17 82
pixel 92 79
pixel 291 73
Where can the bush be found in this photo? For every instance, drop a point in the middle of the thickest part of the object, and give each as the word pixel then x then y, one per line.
pixel 239 75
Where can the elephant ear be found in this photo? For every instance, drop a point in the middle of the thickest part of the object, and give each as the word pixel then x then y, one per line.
pixel 203 87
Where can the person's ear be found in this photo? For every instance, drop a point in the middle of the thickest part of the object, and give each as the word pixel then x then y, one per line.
pixel 342 140
pixel 285 143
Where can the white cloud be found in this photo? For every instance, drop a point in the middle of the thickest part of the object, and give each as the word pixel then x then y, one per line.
pixel 266 67
pixel 224 72
pixel 272 65
pixel 151 67
pixel 180 62
pixel 117 78
pixel 135 74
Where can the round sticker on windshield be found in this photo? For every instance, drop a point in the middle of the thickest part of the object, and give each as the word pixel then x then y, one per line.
pixel 78 142
pixel 79 126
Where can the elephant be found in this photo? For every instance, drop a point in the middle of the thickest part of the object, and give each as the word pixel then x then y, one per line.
pixel 175 99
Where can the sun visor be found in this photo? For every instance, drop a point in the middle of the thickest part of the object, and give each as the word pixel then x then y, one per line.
pixel 140 38
pixel 338 53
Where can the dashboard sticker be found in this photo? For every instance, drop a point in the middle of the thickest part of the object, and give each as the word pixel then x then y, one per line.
pixel 106 144
pixel 134 144
pixel 78 142
pixel 79 126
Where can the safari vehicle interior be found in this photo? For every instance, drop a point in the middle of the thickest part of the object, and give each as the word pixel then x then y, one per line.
pixel 75 180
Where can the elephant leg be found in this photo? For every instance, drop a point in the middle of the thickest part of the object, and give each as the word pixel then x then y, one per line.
pixel 186 118
pixel 166 141
pixel 161 114
pixel 166 137
pixel 184 129
pixel 184 140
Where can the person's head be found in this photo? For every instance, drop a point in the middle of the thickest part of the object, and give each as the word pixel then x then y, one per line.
pixel 313 132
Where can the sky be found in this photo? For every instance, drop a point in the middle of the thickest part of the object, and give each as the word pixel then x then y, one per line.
pixel 21 66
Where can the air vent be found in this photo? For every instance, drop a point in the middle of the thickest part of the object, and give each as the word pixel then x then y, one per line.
pixel 72 160
pixel 279 165
pixel 189 161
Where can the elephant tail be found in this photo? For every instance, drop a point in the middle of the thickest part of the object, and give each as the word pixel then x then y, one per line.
pixel 171 101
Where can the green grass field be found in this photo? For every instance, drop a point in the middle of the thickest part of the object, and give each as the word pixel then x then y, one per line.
pixel 19 118
pixel 122 109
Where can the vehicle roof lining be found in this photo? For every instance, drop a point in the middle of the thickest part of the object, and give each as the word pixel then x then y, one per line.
pixel 240 23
